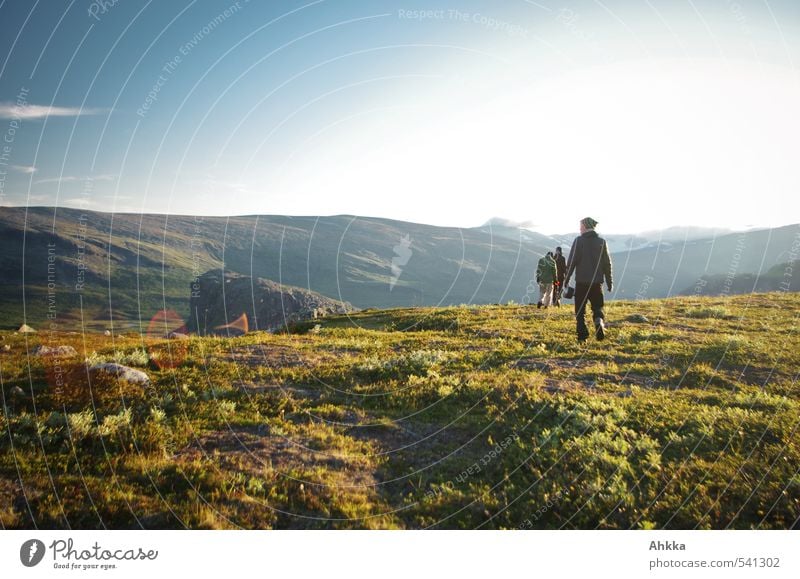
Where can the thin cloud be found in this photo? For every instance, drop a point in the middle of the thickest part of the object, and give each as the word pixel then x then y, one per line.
pixel 10 110
pixel 72 178
pixel 27 169
pixel 503 222
pixel 79 201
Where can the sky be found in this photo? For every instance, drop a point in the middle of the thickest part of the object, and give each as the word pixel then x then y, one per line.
pixel 643 114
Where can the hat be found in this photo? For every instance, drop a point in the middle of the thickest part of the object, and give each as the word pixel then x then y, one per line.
pixel 588 223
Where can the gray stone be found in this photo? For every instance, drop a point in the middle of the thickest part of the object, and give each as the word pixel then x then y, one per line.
pixel 638 319
pixel 126 373
pixel 63 351
pixel 26 329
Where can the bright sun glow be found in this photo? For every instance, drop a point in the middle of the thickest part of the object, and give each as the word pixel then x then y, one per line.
pixel 667 141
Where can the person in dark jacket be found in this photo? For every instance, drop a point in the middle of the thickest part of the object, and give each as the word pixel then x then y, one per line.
pixel 591 264
pixel 561 272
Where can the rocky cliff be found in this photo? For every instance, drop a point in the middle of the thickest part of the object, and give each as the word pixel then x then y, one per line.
pixel 233 303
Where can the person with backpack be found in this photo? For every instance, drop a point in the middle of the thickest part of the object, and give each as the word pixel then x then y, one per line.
pixel 561 271
pixel 546 277
pixel 590 262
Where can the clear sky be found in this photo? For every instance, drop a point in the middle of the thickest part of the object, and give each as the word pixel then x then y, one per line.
pixel 643 114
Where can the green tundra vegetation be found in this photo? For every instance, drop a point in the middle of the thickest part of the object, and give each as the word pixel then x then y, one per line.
pixel 460 417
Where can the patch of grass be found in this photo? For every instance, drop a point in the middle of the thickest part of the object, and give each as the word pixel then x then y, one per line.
pixel 712 312
pixel 457 417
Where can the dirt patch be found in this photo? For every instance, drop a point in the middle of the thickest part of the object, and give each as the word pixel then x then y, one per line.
pixel 14 503
pixel 254 451
pixel 273 356
pixel 578 379
pixel 550 364
pixel 757 376
pixel 554 386
pixel 269 388
pixel 414 445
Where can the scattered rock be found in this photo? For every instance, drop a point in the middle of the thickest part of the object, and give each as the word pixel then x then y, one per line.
pixel 62 351
pixel 6 347
pixel 26 329
pixel 126 373
pixel 177 336
pixel 17 392
pixel 107 333
pixel 638 319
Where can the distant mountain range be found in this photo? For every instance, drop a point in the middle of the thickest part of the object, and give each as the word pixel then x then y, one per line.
pixel 93 269
pixel 616 242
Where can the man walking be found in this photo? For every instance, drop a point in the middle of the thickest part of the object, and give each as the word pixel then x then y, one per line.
pixel 545 277
pixel 561 271
pixel 590 262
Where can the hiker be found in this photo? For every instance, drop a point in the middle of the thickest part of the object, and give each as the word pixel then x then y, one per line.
pixel 545 277
pixel 589 260
pixel 561 271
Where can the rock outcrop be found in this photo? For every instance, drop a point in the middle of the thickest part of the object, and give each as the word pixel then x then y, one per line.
pixel 236 303
pixel 127 373
pixel 60 351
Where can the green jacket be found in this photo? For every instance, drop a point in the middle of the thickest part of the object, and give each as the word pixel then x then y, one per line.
pixel 546 270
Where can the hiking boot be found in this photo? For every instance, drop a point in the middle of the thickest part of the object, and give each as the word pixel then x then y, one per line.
pixel 599 329
pixel 538 305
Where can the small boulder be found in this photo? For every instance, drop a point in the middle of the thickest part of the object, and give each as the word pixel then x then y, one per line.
pixel 17 392
pixel 638 319
pixel 177 336
pixel 126 373
pixel 107 333
pixel 6 347
pixel 61 351
pixel 26 329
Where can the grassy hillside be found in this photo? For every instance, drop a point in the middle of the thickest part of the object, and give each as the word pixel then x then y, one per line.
pixel 779 277
pixel 131 266
pixel 458 417
pixel 675 267
pixel 135 265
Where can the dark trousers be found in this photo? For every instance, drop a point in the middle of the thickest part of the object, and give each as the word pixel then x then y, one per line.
pixel 593 293
pixel 558 289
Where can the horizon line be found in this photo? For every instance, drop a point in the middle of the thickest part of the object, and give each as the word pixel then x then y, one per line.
pixel 486 225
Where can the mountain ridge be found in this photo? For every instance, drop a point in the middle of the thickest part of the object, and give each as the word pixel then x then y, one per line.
pixel 132 265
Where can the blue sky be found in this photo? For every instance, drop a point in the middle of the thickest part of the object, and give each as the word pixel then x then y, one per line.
pixel 645 114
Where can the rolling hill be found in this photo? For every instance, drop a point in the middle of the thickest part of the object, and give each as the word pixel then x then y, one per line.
pixel 676 267
pixel 92 269
pixel 128 266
